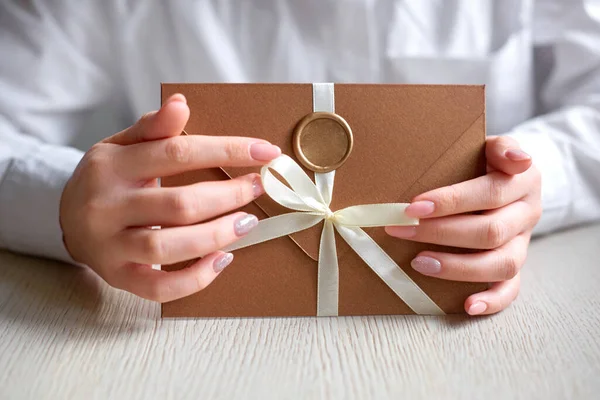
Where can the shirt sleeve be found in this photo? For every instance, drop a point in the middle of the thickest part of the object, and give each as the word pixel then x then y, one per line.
pixel 56 75
pixel 565 140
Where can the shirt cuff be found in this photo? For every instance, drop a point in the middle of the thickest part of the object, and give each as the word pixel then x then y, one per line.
pixel 29 202
pixel 556 190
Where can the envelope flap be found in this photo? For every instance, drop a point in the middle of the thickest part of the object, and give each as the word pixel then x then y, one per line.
pixel 400 131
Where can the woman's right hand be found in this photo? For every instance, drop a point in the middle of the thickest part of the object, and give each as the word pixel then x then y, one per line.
pixel 112 200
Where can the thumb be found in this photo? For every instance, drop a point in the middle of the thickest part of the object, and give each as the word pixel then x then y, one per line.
pixel 167 122
pixel 504 154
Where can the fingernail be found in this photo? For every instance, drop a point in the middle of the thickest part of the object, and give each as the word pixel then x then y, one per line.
pixel 517 155
pixel 420 209
pixel 245 224
pixel 257 187
pixel 402 231
pixel 177 97
pixel 222 261
pixel 264 151
pixel 426 265
pixel 477 308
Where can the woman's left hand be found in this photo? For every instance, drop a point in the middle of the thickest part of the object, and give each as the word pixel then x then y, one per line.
pixel 509 198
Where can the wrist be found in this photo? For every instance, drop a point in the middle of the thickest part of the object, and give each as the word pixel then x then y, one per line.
pixel 62 211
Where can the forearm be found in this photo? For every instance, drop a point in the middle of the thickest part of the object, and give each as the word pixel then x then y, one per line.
pixel 59 70
pixel 565 146
pixel 32 177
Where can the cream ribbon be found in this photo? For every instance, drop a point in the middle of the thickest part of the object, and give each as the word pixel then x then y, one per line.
pixel 311 202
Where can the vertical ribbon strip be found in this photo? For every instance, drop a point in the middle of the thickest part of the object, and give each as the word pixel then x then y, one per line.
pixel 328 279
pixel 311 201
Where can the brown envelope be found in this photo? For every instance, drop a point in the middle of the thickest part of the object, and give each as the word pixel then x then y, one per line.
pixel 408 139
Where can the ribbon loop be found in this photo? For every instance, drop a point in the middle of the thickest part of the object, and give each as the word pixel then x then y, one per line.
pixel 275 227
pixel 370 215
pixel 297 179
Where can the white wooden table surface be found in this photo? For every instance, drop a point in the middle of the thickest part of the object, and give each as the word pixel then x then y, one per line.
pixel 64 334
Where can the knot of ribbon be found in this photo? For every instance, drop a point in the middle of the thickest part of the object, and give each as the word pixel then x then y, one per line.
pixel 311 202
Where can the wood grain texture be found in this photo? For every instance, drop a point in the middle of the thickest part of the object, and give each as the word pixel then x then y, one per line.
pixel 64 334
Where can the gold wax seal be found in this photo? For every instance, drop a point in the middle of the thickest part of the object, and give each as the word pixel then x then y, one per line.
pixel 323 141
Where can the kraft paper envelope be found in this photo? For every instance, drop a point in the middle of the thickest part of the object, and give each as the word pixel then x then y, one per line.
pixel 408 139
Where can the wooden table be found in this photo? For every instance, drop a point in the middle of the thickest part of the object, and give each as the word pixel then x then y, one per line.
pixel 64 334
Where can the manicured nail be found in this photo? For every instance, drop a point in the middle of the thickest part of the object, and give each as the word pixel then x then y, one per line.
pixel 177 97
pixel 403 232
pixel 222 261
pixel 477 308
pixel 517 155
pixel 264 151
pixel 257 187
pixel 420 209
pixel 426 265
pixel 245 224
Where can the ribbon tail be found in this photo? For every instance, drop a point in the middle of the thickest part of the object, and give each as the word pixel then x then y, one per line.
pixel 383 265
pixel 328 274
pixel 275 227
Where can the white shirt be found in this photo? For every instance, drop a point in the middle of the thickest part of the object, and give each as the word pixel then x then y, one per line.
pixel 540 60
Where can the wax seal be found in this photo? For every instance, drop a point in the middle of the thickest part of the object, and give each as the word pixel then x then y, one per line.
pixel 323 141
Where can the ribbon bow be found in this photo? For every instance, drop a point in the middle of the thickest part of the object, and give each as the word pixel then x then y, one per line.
pixel 311 201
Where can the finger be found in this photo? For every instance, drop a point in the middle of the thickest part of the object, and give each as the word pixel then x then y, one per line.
pixel 489 230
pixel 495 265
pixel 169 121
pixel 499 296
pixel 494 190
pixel 186 153
pixel 172 245
pixel 190 204
pixel 504 154
pixel 163 286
